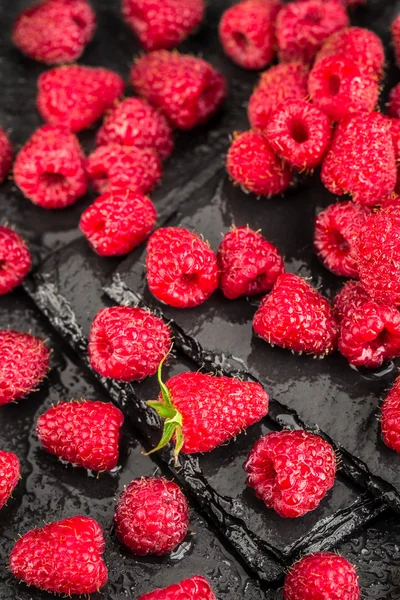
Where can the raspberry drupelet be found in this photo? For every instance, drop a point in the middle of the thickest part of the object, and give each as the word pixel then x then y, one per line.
pixel 195 588
pixel 390 418
pixel 9 475
pixel 6 155
pixel 15 260
pixel 396 38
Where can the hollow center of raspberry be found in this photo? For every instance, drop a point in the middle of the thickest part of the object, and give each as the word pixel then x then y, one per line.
pixel 52 179
pixel 312 17
pixel 340 242
pixel 80 22
pixel 190 279
pixel 298 130
pixel 334 85
pixel 2 264
pixel 240 40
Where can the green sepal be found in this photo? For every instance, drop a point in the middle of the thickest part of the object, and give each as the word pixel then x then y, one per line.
pixel 163 411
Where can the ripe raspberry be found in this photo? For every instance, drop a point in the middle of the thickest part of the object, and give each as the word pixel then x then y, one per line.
pixel 396 38
pixel 362 142
pixel 335 236
pixel 195 588
pixel 390 420
pixel 9 475
pixel 75 97
pixel 253 164
pixel 134 122
pixel 123 166
pixel 118 221
pixel 302 28
pixel 181 268
pixel 186 89
pixel 55 31
pixel 151 516
pixel 340 87
pixel 352 295
pixel 64 557
pixel 84 433
pixel 50 168
pixel 162 24
pixel 395 131
pixel 299 133
pixel 24 362
pixel 127 344
pixel 6 155
pixel 295 316
pixel 15 260
pixel 393 106
pixel 249 264
pixel 278 85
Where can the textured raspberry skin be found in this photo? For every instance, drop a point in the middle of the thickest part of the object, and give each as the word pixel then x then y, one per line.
pixel 50 168
pixel 291 471
pixel 340 87
pixel 187 90
pixel 390 418
pixel 295 316
pixel 396 38
pixel 151 516
pixel 248 263
pixel 15 260
pixel 363 142
pixel 123 166
pixel 277 85
pixel 335 236
pixel 299 133
pixel 75 97
pixel 24 362
pixel 84 433
pixel 352 295
pixel 163 24
pixel 302 28
pixel 55 31
pixel 195 588
pixel 9 475
pixel 64 557
pixel 6 155
pixel 393 106
pixel 253 164
pixel 182 269
pixel 395 131
pixel 134 122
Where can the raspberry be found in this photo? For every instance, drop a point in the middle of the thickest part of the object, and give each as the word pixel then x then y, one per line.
pixel 390 420
pixel 195 588
pixel 335 236
pixel 55 31
pixel 249 264
pixel 187 90
pixel 395 131
pixel 118 221
pixel 322 575
pixel 396 38
pixel 123 166
pixel 362 142
pixel 253 164
pixel 50 168
pixel 75 97
pixel 162 24
pixel 295 316
pixel 181 268
pixel 9 475
pixel 299 133
pixel 291 471
pixel 127 344
pixel 151 516
pixel 352 295
pixel 15 260
pixel 133 122
pixel 302 28
pixel 279 84
pixel 340 87
pixel 6 155
pixel 24 361
pixel 393 106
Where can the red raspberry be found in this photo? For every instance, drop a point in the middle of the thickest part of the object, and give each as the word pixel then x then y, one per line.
pixel 295 316
pixel 75 97
pixel 6 155
pixel 151 516
pixel 335 236
pixel 322 575
pixel 253 164
pixel 340 87
pixel 50 168
pixel 395 131
pixel 362 141
pixel 279 84
pixel 249 264
pixel 396 38
pixel 118 221
pixel 55 31
pixel 162 24
pixel 393 106
pixel 64 557
pixel 9 475
pixel 123 166
pixel 84 433
pixel 24 363
pixel 302 28
pixel 181 268
pixel 390 420
pixel 127 344
pixel 352 295
pixel 133 122
pixel 195 588
pixel 300 133
pixel 15 260
pixel 186 89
